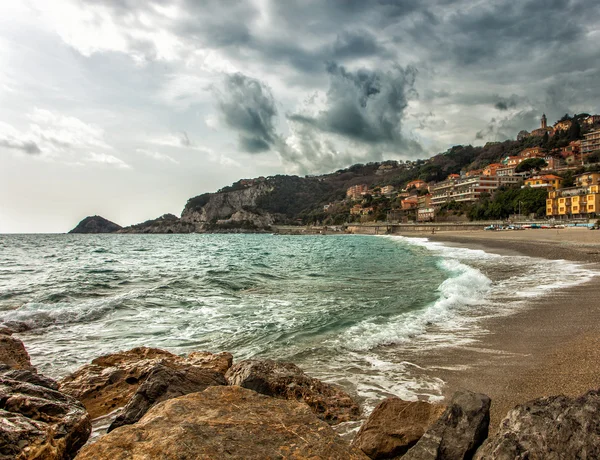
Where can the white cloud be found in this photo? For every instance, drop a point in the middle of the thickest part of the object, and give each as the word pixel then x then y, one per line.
pixel 107 159
pixel 157 155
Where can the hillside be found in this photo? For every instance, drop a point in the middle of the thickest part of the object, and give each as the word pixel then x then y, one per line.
pixel 95 224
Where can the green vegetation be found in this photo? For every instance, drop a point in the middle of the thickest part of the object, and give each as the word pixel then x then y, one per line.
pixel 507 201
pixel 531 164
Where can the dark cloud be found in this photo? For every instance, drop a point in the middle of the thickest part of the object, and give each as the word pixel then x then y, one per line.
pixel 502 128
pixel 184 139
pixel 28 147
pixel 247 106
pixel 366 105
pixel 505 103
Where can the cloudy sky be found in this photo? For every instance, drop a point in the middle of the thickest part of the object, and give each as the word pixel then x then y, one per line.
pixel 127 108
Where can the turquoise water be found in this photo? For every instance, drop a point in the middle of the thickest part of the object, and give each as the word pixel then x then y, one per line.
pixel 346 308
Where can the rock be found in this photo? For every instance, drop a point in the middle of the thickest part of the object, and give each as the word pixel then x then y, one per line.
pixel 551 428
pixel 38 422
pixel 223 422
pixel 218 362
pixel 110 381
pixel 23 375
pixel 13 353
pixel 286 380
pixel 395 426
pixel 167 223
pixel 459 431
pixel 95 224
pixel 10 327
pixel 165 383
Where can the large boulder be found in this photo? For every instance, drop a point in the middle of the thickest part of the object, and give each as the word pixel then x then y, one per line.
pixel 39 422
pixel 13 352
pixel 110 381
pixel 551 428
pixel 165 383
pixel 286 380
pixel 395 426
pixel 223 422
pixel 459 431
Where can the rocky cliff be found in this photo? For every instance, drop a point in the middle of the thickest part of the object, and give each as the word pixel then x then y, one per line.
pixel 167 223
pixel 95 224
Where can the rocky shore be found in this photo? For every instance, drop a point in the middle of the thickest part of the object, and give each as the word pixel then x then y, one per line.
pixel 204 405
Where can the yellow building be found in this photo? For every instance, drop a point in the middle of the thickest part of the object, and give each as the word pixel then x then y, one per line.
pixel 549 181
pixel 573 202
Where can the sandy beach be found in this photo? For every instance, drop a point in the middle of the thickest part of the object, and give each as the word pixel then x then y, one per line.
pixel 552 347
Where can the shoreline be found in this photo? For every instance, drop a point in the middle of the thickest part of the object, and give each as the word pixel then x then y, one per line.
pixel 550 347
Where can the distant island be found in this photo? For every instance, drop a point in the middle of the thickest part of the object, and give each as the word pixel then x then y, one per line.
pixel 491 182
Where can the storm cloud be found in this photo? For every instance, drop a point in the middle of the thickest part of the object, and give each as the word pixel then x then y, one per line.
pixel 247 106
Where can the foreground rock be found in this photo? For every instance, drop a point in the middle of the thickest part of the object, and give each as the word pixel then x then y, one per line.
pixel 557 427
pixel 395 426
pixel 286 380
pixel 37 421
pixel 12 352
pixel 165 383
pixel 110 381
pixel 458 433
pixel 224 422
pixel 95 224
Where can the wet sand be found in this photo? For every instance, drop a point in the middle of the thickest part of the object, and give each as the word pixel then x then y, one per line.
pixel 552 347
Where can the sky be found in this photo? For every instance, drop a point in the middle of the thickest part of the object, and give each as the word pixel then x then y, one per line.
pixel 126 109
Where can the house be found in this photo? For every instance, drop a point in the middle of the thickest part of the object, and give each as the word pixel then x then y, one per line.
pixel 418 184
pixel 474 172
pixel 587 179
pixel 592 120
pixel 357 191
pixel 552 163
pixel 387 190
pixel 356 210
pixel 562 125
pixel 490 170
pixel 549 181
pixel 574 147
pixel 512 161
pixel 468 189
pixel 411 202
pixel 505 171
pixel 532 152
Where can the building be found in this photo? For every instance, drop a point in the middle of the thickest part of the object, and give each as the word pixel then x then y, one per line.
pixel 587 179
pixel 505 171
pixel 468 189
pixel 387 189
pixel 418 184
pixel 552 163
pixel 562 125
pixel 490 170
pixel 474 172
pixel 412 202
pixel 425 211
pixel 574 147
pixel 533 152
pixel 577 202
pixel 512 161
pixel 590 142
pixel 543 129
pixel 592 120
pixel 357 191
pixel 548 181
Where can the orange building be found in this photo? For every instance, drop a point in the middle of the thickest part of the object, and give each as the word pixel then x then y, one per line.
pixel 490 170
pixel 356 191
pixel 418 184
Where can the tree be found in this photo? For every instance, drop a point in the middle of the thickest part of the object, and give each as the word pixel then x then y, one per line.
pixel 574 132
pixel 531 164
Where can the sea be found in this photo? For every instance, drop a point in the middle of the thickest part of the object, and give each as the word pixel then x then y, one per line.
pixel 348 309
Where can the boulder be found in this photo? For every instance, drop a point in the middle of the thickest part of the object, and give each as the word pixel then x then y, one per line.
pixel 551 428
pixel 459 431
pixel 13 353
pixel 165 383
pixel 24 375
pixel 110 381
pixel 223 422
pixel 286 380
pixel 39 422
pixel 395 426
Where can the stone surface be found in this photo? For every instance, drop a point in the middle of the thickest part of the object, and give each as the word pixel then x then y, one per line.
pixel 551 428
pixel 395 426
pixel 29 376
pixel 95 224
pixel 223 423
pixel 38 422
pixel 459 431
pixel 110 381
pixel 286 380
pixel 13 353
pixel 165 383
pixel 167 223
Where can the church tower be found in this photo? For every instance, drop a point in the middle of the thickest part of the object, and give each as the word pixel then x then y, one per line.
pixel 544 121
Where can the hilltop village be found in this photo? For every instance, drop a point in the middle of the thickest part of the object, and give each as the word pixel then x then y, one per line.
pixel 557 176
